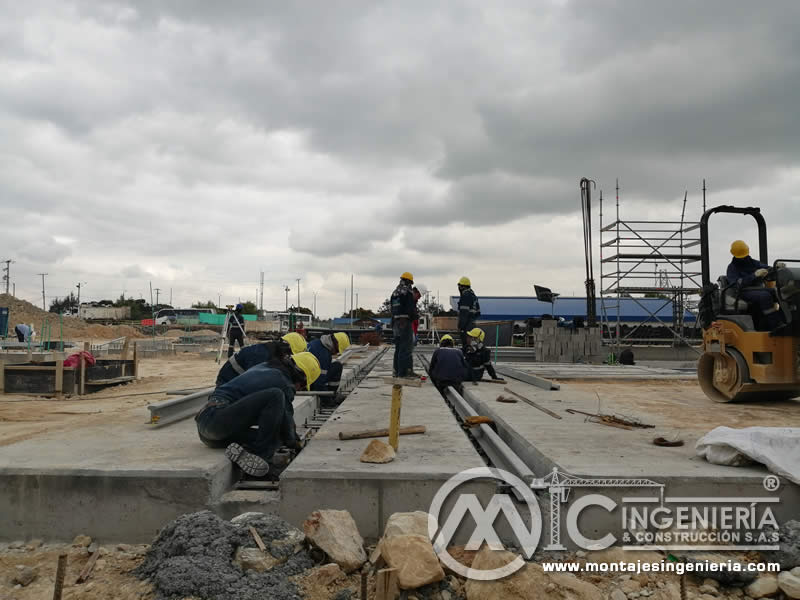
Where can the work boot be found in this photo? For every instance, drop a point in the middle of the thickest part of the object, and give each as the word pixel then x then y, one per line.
pixel 248 462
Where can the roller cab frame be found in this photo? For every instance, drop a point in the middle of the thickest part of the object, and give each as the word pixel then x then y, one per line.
pixel 739 361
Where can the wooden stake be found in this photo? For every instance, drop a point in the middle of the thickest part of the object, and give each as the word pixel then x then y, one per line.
pixel 61 570
pixel 2 377
pixel 124 355
pixel 364 585
pixel 533 404
pixel 375 433
pixel 386 584
pixel 394 420
pixel 257 538
pixel 87 570
pixel 83 374
pixel 59 379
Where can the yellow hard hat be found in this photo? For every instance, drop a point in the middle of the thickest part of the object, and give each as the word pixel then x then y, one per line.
pixel 296 341
pixel 477 333
pixel 464 281
pixel 445 337
pixel 408 276
pixel 309 365
pixel 342 340
pixel 739 249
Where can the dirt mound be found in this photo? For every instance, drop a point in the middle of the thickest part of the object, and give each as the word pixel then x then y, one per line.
pixel 195 556
pixel 175 333
pixel 22 311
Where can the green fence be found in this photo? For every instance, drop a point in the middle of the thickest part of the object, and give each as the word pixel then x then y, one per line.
pixel 210 319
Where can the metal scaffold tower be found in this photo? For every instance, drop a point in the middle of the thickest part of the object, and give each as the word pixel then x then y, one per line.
pixel 648 259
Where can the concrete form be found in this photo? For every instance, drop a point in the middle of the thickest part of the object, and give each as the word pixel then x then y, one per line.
pixel 584 372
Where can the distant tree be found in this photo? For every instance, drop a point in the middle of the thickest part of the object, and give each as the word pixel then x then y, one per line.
pixel 250 308
pixel 385 309
pixel 301 309
pixel 360 313
pixel 206 304
pixel 140 309
pixel 64 305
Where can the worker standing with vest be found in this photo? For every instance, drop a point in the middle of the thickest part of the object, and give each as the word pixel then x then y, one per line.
pixel 469 309
pixel 404 311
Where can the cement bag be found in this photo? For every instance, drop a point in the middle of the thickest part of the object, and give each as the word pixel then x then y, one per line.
pixel 777 448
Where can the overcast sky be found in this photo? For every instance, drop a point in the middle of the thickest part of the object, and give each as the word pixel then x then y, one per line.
pixel 195 144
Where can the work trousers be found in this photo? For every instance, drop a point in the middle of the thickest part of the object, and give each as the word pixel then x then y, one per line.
pixel 443 384
pixel 334 375
pixel 403 347
pixel 235 335
pixel 464 337
pixel 20 335
pixel 765 302
pixel 220 424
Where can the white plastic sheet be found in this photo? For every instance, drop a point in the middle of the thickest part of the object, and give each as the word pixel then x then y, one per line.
pixel 778 448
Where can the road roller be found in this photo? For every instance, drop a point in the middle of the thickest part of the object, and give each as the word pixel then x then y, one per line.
pixel 742 360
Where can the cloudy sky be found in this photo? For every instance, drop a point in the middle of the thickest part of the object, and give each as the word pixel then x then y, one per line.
pixel 196 144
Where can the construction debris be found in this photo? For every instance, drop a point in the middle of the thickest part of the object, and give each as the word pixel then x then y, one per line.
pixel 378 452
pixel 611 420
pixel 335 533
pixel 534 404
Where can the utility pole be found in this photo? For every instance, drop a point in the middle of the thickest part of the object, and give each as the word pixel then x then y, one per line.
pixel 170 296
pixel 286 289
pixel 157 291
pixel 315 305
pixel 7 269
pixel 44 307
pixel 79 295
pixel 219 299
pixel 261 299
pixel 356 301
pixel 351 299
pixel 298 292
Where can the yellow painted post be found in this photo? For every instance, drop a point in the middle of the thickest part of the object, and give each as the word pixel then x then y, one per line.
pixel 394 421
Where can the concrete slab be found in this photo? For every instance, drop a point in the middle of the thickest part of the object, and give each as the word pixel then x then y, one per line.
pixel 119 482
pixel 328 473
pixel 570 371
pixel 586 449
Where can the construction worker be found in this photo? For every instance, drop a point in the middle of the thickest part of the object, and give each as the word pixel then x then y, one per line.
pixel 24 332
pixel 748 273
pixel 325 348
pixel 469 309
pixel 478 356
pixel 448 366
pixel 236 328
pixel 261 396
pixel 263 352
pixel 403 313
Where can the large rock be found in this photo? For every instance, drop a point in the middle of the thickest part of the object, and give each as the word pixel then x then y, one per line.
pixel 407 523
pixel 414 559
pixel 765 585
pixel 788 552
pixel 253 559
pixel 25 576
pixel 326 575
pixel 335 533
pixel 529 582
pixel 82 541
pixel 789 582
pixel 378 452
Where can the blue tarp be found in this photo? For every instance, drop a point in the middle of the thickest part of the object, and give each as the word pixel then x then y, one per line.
pixel 519 308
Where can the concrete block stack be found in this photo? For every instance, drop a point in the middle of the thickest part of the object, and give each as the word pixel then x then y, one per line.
pixel 563 345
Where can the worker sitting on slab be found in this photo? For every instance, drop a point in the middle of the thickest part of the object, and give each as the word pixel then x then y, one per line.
pixel 469 309
pixel 256 354
pixel 478 356
pixel 325 348
pixel 448 366
pixel 403 313
pixel 261 396
pixel 748 274
pixel 24 332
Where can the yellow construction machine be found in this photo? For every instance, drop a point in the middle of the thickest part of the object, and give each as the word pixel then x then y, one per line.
pixel 742 361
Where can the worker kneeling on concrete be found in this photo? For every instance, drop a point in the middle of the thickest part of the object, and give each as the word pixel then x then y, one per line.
pixel 448 366
pixel 478 356
pixel 24 332
pixel 257 354
pixel 261 396
pixel 324 349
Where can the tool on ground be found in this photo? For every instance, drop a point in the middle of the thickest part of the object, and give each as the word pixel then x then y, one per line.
pixel 478 420
pixel 507 400
pixel 533 404
pixel 741 360
pixel 612 420
pixel 376 433
pixel 660 441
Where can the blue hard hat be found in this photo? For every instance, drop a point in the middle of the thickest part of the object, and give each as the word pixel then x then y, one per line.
pixel 239 306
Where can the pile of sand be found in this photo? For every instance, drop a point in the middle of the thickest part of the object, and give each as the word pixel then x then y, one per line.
pixel 22 311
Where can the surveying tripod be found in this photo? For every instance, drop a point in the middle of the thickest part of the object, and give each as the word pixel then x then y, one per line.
pixel 229 315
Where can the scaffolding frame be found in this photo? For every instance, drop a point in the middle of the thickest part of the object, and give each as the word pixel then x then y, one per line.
pixel 648 259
